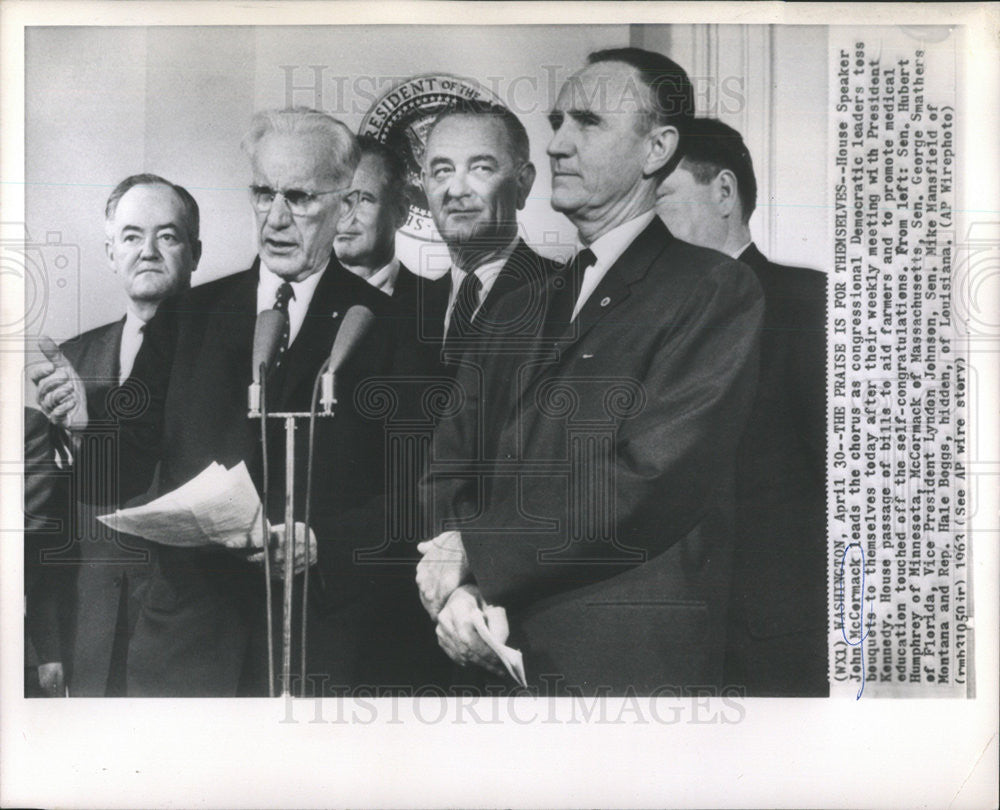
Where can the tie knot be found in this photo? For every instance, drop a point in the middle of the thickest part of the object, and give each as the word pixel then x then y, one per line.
pixel 285 293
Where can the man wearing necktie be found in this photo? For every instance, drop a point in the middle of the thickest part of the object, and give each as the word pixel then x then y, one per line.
pixel 152 245
pixel 202 627
pixel 594 509
pixel 477 175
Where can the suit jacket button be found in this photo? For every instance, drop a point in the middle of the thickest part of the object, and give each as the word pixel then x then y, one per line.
pixel 605 301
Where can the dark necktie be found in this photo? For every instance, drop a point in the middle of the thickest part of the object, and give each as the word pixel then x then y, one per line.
pixel 285 294
pixel 466 304
pixel 565 289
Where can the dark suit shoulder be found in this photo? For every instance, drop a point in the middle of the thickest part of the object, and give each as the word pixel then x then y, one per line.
pixel 98 339
pixel 785 280
pixel 697 266
pixel 213 291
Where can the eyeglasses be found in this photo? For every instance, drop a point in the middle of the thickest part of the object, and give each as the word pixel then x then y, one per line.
pixel 299 202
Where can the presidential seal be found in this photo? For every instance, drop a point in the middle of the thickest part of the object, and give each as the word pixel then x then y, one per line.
pixel 401 119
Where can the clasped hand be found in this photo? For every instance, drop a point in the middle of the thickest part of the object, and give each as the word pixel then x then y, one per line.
pixel 441 570
pixel 462 625
pixel 277 543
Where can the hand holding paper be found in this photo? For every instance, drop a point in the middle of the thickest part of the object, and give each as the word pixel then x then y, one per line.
pixel 472 632
pixel 277 545
pixel 216 507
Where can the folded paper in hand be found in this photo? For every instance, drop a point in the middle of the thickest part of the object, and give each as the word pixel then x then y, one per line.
pixel 512 659
pixel 218 506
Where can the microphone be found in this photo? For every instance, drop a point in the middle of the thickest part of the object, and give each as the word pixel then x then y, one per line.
pixel 266 342
pixel 353 329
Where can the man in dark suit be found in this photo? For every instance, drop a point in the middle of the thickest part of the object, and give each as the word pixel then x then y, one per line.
pixel 201 631
pixel 597 511
pixel 777 640
pixel 407 656
pixel 366 245
pixel 153 247
pixel 477 174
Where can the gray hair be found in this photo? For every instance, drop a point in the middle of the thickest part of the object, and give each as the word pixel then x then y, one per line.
pixel 192 218
pixel 344 153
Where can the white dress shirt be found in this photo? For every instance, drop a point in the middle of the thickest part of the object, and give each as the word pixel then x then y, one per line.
pixel 608 248
pixel 486 273
pixel 385 278
pixel 739 252
pixel 267 292
pixel 130 345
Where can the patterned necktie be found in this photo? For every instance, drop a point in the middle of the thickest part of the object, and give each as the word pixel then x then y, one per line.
pixel 466 304
pixel 285 293
pixel 565 290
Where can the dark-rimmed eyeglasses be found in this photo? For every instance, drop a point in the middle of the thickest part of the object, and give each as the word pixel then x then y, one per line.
pixel 299 201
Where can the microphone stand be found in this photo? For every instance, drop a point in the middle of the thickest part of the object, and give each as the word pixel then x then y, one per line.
pixel 258 410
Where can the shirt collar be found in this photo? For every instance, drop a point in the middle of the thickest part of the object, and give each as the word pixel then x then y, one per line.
pixel 608 247
pixel 267 286
pixel 384 279
pixel 737 253
pixel 133 321
pixel 486 273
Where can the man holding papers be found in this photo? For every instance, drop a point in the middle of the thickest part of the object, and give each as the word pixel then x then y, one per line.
pixel 597 510
pixel 201 631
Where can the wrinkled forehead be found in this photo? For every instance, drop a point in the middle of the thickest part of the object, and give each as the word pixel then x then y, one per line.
pixel 296 160
pixel 371 174
pixel 461 136
pixel 152 205
pixel 604 89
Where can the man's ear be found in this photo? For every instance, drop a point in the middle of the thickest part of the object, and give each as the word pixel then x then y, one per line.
pixel 195 254
pixel 661 144
pixel 726 192
pixel 109 251
pixel 525 180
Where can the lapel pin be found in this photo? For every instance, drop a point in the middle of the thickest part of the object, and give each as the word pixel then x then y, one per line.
pixel 605 301
pixel 334 314
pixel 587 356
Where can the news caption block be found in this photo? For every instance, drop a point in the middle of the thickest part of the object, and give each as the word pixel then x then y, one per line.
pixel 899 565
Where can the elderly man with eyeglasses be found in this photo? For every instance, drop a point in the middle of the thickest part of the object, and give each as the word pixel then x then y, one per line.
pixel 201 631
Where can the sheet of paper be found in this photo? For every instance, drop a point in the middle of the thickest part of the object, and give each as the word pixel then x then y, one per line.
pixel 214 507
pixel 512 659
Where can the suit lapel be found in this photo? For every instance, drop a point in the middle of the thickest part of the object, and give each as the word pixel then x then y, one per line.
pixel 630 268
pixel 612 291
pixel 106 355
pixel 315 338
pixel 522 267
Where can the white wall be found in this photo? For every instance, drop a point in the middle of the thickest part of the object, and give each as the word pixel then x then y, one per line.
pixel 103 103
pixel 769 83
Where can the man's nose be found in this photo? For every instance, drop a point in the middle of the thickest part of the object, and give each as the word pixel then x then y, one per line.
pixel 279 215
pixel 560 144
pixel 150 247
pixel 458 184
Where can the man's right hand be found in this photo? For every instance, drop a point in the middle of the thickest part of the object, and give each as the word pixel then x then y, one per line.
pixel 458 631
pixel 51 679
pixel 61 395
